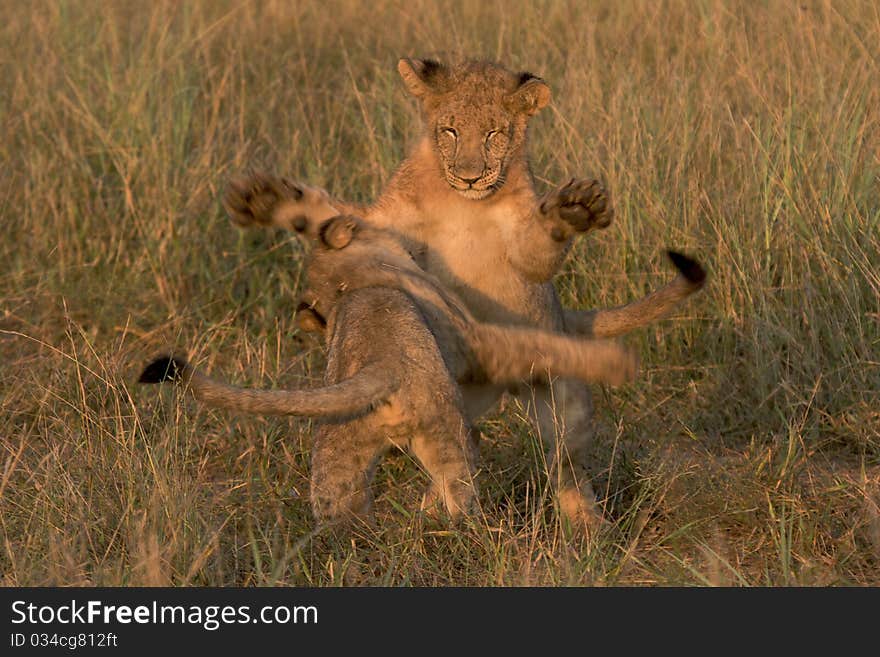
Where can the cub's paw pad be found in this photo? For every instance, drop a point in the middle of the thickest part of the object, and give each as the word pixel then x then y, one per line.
pixel 251 199
pixel 583 204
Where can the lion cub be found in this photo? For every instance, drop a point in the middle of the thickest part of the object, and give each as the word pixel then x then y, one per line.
pixel 397 345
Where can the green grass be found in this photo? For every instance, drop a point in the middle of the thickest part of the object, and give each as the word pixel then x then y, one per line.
pixel 748 133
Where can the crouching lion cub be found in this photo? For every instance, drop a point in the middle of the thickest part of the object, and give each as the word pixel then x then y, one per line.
pixel 397 345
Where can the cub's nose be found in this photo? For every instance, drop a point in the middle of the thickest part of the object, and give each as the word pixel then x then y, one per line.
pixel 470 181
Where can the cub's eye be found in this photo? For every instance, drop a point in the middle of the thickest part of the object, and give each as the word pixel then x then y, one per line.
pixel 450 131
pixel 493 134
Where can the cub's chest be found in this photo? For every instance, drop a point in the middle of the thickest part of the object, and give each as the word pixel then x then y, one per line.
pixel 468 238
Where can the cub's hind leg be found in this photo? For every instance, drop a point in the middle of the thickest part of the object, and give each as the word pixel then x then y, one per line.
pixel 563 414
pixel 448 451
pixel 344 460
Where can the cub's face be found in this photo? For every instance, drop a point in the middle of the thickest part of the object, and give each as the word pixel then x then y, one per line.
pixel 476 114
pixel 474 144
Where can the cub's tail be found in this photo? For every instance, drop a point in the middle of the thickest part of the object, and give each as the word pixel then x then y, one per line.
pixel 508 354
pixel 358 394
pixel 611 322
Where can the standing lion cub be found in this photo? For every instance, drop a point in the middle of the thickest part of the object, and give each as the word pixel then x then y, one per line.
pixel 463 201
pixel 397 344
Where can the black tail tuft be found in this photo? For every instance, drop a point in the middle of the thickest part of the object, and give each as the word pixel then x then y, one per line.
pixel 689 268
pixel 165 368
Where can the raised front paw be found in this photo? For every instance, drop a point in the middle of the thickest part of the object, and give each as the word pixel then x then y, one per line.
pixel 253 198
pixel 267 200
pixel 579 206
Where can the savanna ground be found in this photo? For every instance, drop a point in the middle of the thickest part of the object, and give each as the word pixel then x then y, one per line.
pixel 747 133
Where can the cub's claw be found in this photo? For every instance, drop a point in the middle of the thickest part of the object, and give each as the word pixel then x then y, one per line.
pixel 252 199
pixel 581 205
pixel 261 199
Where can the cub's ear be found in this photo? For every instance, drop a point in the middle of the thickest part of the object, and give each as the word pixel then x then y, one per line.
pixel 309 319
pixel 338 232
pixel 422 77
pixel 531 96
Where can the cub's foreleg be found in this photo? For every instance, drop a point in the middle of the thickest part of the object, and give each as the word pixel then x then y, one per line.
pixel 262 199
pixel 540 240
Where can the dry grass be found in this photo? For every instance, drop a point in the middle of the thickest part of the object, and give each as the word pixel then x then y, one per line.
pixel 746 132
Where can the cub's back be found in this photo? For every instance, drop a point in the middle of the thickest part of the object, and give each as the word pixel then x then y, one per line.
pixel 382 325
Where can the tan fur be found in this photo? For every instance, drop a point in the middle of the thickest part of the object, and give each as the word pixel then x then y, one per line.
pixel 464 204
pixel 352 254
pixel 397 343
pixel 377 341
